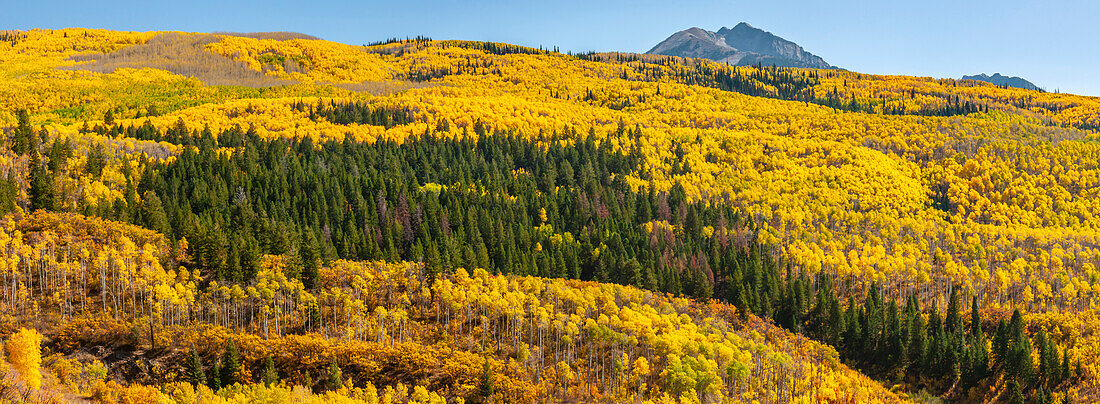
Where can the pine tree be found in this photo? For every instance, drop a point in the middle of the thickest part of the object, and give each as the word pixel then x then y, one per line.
pixel 8 196
pixel 215 379
pixel 1000 343
pixel 23 140
pixel 917 343
pixel 1044 370
pixel 152 213
pixel 96 160
pixel 1065 366
pixel 42 194
pixel 231 364
pixel 1042 396
pixel 975 318
pixel 307 252
pixel 485 385
pixel 1015 395
pixel 853 331
pixel 270 375
pixel 1018 365
pixel 951 321
pixel 195 373
pixel 335 376
pixel 935 359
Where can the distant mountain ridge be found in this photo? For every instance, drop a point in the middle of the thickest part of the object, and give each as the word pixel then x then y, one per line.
pixel 1000 80
pixel 742 45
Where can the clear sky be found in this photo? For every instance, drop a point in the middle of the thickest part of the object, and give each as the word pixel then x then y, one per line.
pixel 1055 44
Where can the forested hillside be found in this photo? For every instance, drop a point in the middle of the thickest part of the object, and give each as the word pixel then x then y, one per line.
pixel 221 217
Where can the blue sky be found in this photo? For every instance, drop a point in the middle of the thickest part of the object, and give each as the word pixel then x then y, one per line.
pixel 1055 44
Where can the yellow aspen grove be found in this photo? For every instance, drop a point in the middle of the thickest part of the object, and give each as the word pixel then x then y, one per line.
pixel 424 221
pixel 24 353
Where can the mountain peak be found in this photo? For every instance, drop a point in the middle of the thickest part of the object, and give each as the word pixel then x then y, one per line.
pixel 741 45
pixel 1001 80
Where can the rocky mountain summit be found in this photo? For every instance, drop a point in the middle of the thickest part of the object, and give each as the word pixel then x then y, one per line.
pixel 741 45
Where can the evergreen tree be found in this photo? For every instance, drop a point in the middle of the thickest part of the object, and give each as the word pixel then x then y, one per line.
pixel 935 357
pixel 96 160
pixel 485 385
pixel 1000 343
pixel 917 343
pixel 195 373
pixel 311 263
pixel 894 337
pixel 1065 375
pixel 975 318
pixel 1018 364
pixel 951 321
pixel 853 331
pixel 42 193
pixel 270 375
pixel 152 213
pixel 231 364
pixel 8 195
pixel 23 140
pixel 215 379
pixel 1015 396
pixel 335 375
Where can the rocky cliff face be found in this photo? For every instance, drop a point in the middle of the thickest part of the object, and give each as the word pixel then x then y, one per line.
pixel 741 45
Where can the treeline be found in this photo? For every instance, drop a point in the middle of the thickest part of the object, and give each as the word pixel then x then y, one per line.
pixel 948 354
pixel 420 72
pixel 419 40
pixel 496 48
pixel 785 83
pixel 12 37
pixel 363 113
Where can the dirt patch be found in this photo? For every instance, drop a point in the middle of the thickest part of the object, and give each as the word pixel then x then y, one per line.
pixel 186 55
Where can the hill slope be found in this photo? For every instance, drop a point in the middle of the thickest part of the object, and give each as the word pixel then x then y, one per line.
pixel 315 217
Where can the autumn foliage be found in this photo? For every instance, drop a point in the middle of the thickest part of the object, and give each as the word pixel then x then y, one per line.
pixel 137 217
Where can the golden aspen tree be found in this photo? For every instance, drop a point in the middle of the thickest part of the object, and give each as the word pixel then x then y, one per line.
pixel 24 353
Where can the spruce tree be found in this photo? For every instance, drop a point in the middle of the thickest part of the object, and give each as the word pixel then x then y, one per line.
pixel 935 358
pixel 1019 365
pixel 23 140
pixel 42 195
pixel 917 343
pixel 975 318
pixel 215 379
pixel 231 364
pixel 307 253
pixel 1000 343
pixel 1015 395
pixel 271 376
pixel 195 373
pixel 951 320
pixel 485 386
pixel 1065 366
pixel 335 376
